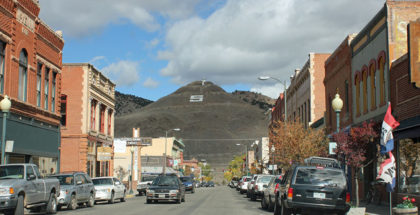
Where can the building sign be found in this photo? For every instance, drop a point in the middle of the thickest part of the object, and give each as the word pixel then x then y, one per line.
pixel 196 98
pixel 25 20
pixel 104 154
pixel 414 49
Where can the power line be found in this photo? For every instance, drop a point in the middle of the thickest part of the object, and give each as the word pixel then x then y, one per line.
pixel 220 139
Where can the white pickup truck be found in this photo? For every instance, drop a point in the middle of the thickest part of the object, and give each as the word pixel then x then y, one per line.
pixel 21 186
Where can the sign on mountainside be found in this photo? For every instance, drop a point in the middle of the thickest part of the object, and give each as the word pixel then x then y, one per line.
pixel 196 98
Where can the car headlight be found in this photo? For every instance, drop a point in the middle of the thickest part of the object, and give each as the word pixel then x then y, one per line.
pixel 173 191
pixel 150 191
pixel 6 190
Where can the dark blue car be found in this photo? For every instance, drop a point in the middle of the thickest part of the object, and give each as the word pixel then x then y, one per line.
pixel 189 183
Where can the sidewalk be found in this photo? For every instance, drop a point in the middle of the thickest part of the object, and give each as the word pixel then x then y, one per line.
pixel 375 209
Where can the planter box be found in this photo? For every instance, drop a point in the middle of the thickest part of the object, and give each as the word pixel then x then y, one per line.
pixel 405 211
pixel 357 211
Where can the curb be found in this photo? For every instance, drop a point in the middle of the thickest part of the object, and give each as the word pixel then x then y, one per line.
pixel 129 196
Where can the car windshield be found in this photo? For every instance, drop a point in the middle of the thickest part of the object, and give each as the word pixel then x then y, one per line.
pixel 64 179
pixel 11 172
pixel 320 176
pixel 264 179
pixel 210 182
pixel 186 179
pixel 165 181
pixel 102 181
pixel 148 178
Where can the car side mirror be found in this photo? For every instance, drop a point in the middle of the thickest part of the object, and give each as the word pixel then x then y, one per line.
pixel 78 182
pixel 31 177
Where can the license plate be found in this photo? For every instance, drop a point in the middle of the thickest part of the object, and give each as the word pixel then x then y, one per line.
pixel 319 195
pixel 161 195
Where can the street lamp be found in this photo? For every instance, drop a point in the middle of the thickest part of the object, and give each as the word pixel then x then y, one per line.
pixel 272 155
pixel 5 105
pixel 166 142
pixel 337 105
pixel 263 78
pixel 132 170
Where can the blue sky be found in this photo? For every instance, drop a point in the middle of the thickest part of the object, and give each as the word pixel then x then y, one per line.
pixel 150 48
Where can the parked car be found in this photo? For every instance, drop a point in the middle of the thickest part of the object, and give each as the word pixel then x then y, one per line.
pixel 210 184
pixel 203 184
pixel 166 187
pixel 144 183
pixel 234 182
pixel 269 193
pixel 250 186
pixel 258 187
pixel 109 189
pixel 22 186
pixel 197 184
pixel 313 187
pixel 244 184
pixel 189 183
pixel 75 188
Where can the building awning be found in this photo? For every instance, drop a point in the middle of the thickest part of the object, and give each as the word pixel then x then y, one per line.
pixel 409 128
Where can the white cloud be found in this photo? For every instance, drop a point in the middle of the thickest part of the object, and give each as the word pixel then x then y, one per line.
pixel 80 17
pixel 153 43
pixel 272 91
pixel 123 73
pixel 150 83
pixel 245 39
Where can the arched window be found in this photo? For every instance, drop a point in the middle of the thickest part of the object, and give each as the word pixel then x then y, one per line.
pixel 23 75
pixel 357 83
pixel 381 67
pixel 46 87
pixel 372 73
pixel 365 93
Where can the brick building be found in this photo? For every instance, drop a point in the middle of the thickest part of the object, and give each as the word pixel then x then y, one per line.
pixel 30 74
pixel 338 77
pixel 87 110
pixel 306 93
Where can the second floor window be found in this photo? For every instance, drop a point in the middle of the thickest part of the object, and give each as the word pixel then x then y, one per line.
pixel 53 91
pixel 63 110
pixel 109 122
pixel 46 87
pixel 92 114
pixel 2 60
pixel 23 75
pixel 102 119
pixel 38 84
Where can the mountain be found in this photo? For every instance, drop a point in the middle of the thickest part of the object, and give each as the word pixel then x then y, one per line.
pixel 210 129
pixel 125 103
pixel 261 101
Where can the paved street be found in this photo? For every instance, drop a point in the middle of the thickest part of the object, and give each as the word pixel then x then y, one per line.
pixel 218 200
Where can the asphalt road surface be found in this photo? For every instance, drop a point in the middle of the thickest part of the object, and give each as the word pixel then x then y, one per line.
pixel 219 200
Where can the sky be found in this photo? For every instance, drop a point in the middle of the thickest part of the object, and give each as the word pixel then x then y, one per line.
pixel 150 48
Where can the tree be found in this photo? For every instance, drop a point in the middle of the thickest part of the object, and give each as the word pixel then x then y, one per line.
pixel 187 170
pixel 293 142
pixel 121 173
pixel 354 145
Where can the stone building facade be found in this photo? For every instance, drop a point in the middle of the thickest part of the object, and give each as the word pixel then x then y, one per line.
pixel 87 110
pixel 30 74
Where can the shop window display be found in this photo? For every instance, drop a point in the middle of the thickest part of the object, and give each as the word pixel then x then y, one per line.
pixel 409 166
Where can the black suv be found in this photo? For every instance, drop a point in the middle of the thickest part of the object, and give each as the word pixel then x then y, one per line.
pixel 317 185
pixel 166 187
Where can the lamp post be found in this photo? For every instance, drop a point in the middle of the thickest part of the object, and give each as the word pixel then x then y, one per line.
pixel 272 155
pixel 337 105
pixel 166 143
pixel 5 105
pixel 263 78
pixel 132 170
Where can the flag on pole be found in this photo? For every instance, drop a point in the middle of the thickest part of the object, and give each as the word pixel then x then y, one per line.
pixel 387 172
pixel 389 123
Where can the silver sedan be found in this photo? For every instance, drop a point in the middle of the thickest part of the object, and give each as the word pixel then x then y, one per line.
pixel 109 189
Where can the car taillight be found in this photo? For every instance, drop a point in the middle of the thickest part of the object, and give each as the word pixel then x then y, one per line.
pixel 256 187
pixel 276 189
pixel 347 197
pixel 252 182
pixel 290 194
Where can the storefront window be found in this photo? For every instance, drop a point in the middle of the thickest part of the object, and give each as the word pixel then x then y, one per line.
pixel 409 166
pixel 47 165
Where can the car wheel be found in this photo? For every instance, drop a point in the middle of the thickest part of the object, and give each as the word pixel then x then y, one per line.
pixel 341 213
pixel 193 190
pixel 73 203
pixel 253 197
pixel 52 204
pixel 123 198
pixel 58 207
pixel 112 200
pixel 91 201
pixel 270 205
pixel 247 194
pixel 263 203
pixel 285 211
pixel 148 201
pixel 183 199
pixel 178 201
